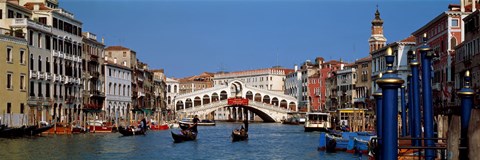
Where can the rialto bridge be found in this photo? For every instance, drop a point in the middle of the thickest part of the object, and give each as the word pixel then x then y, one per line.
pixel 231 100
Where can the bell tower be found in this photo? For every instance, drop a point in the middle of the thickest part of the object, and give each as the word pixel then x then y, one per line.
pixel 377 40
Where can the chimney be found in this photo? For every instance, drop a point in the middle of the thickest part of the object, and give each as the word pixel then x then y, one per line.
pixel 115 60
pixel 36 7
pixel 295 67
pixel 103 40
pixel 462 5
pixel 474 6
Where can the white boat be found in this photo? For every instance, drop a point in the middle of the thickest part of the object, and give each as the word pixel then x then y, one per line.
pixel 201 123
pixel 317 121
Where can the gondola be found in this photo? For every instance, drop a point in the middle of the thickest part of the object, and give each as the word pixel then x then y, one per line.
pixel 130 132
pixel 187 136
pixel 37 131
pixel 27 131
pixel 239 136
pixel 12 132
pixel 183 126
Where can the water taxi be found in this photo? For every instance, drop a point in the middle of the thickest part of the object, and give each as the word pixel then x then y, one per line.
pixel 317 121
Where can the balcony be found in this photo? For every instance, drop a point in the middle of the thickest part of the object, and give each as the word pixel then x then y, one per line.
pixel 33 101
pixel 57 78
pixel 95 74
pixel 359 100
pixel 70 99
pixel 33 74
pixel 61 78
pixel 141 94
pixel 55 53
pixel 96 93
pixel 41 75
pixel 24 22
pixel 48 76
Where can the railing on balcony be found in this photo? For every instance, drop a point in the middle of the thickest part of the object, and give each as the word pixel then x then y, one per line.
pixel 70 99
pixel 359 100
pixel 41 75
pixel 95 74
pixel 48 76
pixel 96 93
pixel 33 74
pixel 24 22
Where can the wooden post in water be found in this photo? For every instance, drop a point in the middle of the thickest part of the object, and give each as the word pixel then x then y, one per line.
pixel 453 141
pixel 474 135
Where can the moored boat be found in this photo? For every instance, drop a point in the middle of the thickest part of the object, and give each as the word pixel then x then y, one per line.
pixel 204 122
pixel 42 129
pixel 345 141
pixel 291 121
pixel 130 131
pixel 185 135
pixel 158 127
pixel 317 121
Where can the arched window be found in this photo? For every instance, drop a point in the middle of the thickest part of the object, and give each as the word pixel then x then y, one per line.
pixel 40 63
pixel 123 90
pixel 114 89
pixel 110 88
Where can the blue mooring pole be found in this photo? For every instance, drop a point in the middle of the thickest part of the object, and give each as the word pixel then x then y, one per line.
pixel 416 125
pixel 379 102
pixel 410 104
pixel 390 83
pixel 404 110
pixel 427 56
pixel 466 94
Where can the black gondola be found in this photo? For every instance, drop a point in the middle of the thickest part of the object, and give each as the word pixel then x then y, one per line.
pixel 186 135
pixel 37 131
pixel 130 132
pixel 239 135
pixel 183 126
pixel 27 131
pixel 12 132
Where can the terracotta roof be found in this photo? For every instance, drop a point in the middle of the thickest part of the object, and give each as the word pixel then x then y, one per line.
pixel 411 38
pixel 116 48
pixel 30 5
pixel 193 78
pixel 368 58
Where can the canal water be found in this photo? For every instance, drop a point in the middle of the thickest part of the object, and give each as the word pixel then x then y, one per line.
pixel 266 141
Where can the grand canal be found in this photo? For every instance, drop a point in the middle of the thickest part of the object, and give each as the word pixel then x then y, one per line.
pixel 267 141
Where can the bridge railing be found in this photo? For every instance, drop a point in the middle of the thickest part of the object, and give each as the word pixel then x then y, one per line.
pixel 205 107
pixel 268 106
pixel 224 103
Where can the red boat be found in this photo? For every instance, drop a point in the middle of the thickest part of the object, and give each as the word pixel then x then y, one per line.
pixel 154 126
pixel 159 127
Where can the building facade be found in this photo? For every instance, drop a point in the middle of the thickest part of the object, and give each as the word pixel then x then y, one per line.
pixel 467 55
pixel 444 33
pixel 173 90
pixel 14 72
pixel 196 83
pixel 118 91
pixel 93 77
pixel 346 81
pixel 271 79
pixel 364 80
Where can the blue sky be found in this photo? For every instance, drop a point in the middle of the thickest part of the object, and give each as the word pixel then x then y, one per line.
pixel 188 37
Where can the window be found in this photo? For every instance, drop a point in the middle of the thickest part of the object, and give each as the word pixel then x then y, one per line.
pixel 19 15
pixel 60 24
pixel 47 90
pixel 47 63
pixel 9 81
pixel 40 63
pixel 110 54
pixel 40 89
pixel 55 22
pixel 10 14
pixel 32 88
pixel 1 15
pixel 22 57
pixel 9 108
pixel 22 82
pixel 9 55
pixel 47 42
pixel 22 108
pixel 455 22
pixel 39 40
pixel 124 54
pixel 42 20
